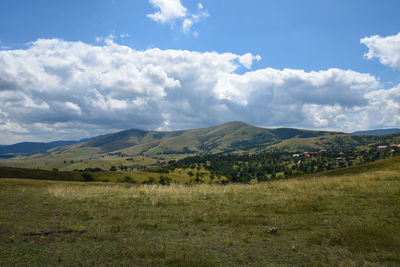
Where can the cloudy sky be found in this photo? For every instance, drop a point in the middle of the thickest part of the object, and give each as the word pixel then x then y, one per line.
pixel 72 69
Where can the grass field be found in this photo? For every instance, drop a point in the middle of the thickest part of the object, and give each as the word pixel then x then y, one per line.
pixel 134 177
pixel 72 162
pixel 342 218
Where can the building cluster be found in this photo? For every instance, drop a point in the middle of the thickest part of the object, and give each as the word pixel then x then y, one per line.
pixel 340 158
pixel 389 148
pixel 310 154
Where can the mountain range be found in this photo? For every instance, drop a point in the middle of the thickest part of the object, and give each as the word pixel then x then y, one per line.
pixel 225 138
pixel 31 147
pixel 379 131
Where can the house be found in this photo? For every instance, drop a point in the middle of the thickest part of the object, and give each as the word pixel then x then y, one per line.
pixel 394 147
pixel 382 148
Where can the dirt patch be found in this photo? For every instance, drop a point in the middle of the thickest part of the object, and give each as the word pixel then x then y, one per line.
pixel 272 229
pixel 43 238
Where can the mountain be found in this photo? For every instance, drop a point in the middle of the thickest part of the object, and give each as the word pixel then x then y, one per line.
pixel 232 137
pixel 32 147
pixel 225 138
pixel 229 137
pixel 378 131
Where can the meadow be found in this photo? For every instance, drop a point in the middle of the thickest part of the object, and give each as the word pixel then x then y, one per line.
pixel 347 217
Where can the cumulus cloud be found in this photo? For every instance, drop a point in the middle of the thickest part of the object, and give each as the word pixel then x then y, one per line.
pixel 171 11
pixel 386 49
pixel 247 60
pixel 56 89
pixel 12 127
pixel 186 25
pixel 384 108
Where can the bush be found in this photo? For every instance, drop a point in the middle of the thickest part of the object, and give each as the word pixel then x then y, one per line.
pixel 113 169
pixel 162 170
pixel 163 180
pixel 87 177
pixel 150 180
pixel 127 179
pixel 97 169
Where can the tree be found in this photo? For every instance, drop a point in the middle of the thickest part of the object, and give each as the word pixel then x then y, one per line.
pixel 128 179
pixel 113 169
pixel 150 180
pixel 164 180
pixel 87 177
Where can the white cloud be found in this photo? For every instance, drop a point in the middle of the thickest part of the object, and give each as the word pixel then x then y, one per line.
pixel 247 60
pixel 171 11
pixel 12 127
pixel 386 49
pixel 62 90
pixel 186 25
pixel 384 109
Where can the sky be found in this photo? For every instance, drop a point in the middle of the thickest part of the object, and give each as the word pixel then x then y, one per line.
pixel 76 69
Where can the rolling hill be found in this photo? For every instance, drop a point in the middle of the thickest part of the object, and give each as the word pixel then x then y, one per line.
pixel 232 137
pixel 226 138
pixel 378 131
pixel 32 147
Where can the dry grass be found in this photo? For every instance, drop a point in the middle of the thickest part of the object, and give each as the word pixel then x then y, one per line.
pixel 336 220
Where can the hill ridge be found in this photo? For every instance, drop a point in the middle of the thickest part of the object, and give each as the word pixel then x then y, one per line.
pixel 230 137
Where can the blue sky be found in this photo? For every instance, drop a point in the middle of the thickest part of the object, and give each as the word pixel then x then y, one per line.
pixel 309 49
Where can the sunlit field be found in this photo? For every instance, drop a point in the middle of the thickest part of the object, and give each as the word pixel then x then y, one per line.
pixel 347 218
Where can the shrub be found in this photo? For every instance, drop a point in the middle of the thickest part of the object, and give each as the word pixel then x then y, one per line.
pixel 150 180
pixel 127 179
pixel 163 180
pixel 87 177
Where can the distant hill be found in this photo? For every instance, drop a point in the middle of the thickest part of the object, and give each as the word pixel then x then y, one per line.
pixel 378 131
pixel 225 138
pixel 232 137
pixel 32 147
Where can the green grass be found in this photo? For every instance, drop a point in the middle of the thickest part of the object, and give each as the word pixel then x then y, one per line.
pixel 177 176
pixel 23 173
pixel 347 218
pixel 70 162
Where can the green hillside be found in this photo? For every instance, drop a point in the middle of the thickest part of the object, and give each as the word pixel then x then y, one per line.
pixel 137 148
pixel 334 142
pixel 229 137
pixel 130 177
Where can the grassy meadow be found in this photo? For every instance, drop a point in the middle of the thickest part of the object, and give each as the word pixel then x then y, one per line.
pixel 72 162
pixel 178 175
pixel 348 217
